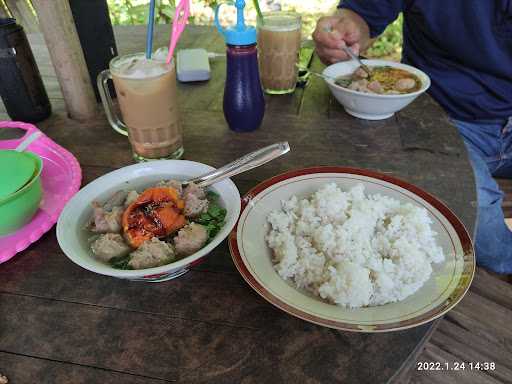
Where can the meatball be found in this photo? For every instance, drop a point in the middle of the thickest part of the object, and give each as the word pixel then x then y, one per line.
pixel 190 239
pixel 108 246
pixel 375 87
pixel 106 221
pixel 405 84
pixel 359 85
pixel 116 200
pixel 176 184
pixel 195 200
pixel 195 206
pixel 107 217
pixel 193 189
pixel 152 253
pixel 131 197
pixel 360 73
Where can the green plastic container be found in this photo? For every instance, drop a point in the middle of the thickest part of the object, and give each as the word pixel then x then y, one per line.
pixel 16 170
pixel 18 208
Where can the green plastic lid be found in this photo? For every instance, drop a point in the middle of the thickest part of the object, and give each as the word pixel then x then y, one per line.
pixel 16 170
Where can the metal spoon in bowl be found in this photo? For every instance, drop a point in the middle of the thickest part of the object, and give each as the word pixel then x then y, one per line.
pixel 351 54
pixel 335 80
pixel 319 74
pixel 244 163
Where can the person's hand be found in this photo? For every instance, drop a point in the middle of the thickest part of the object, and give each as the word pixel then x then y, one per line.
pixel 334 32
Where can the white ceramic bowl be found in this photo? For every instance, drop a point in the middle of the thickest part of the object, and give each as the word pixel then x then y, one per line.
pixel 366 105
pixel 447 285
pixel 73 239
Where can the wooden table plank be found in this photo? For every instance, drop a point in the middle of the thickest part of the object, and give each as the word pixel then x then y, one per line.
pixel 26 369
pixel 488 286
pixel 169 348
pixel 455 339
pixel 484 322
pixel 138 343
pixel 316 100
pixel 465 376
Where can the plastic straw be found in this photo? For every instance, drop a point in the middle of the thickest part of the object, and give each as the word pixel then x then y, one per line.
pixel 258 11
pixel 178 26
pixel 151 22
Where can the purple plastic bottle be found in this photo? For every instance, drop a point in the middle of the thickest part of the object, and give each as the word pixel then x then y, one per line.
pixel 244 105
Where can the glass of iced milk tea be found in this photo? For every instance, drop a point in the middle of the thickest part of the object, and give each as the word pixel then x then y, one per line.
pixel 146 93
pixel 278 50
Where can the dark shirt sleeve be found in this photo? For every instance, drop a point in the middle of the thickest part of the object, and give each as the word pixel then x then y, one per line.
pixel 377 13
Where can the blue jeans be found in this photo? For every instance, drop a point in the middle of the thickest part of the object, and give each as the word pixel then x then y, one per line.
pixel 490 151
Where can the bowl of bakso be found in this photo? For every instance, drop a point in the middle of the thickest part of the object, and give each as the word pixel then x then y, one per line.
pixel 388 88
pixel 144 222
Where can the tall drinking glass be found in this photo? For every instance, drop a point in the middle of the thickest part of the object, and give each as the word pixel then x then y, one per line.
pixel 146 92
pixel 279 35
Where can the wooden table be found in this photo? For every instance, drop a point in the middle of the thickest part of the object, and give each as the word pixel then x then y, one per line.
pixel 60 323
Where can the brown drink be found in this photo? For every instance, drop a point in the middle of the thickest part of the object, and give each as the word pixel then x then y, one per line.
pixel 146 92
pixel 278 46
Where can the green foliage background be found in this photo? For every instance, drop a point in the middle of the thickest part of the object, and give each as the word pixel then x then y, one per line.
pixel 129 12
pixel 389 44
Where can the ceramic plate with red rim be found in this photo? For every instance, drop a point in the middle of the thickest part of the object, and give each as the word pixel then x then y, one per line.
pixel 446 286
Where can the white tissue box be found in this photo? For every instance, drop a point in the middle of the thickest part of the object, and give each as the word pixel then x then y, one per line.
pixel 192 65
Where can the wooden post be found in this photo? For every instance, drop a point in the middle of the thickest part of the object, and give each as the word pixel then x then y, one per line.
pixel 24 15
pixel 56 23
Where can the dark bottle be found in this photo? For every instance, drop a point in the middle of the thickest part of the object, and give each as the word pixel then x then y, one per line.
pixel 21 86
pixel 244 105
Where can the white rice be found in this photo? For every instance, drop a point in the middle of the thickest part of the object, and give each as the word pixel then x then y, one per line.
pixel 351 249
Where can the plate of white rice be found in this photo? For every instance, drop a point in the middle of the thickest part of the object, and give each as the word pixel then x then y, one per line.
pixel 352 249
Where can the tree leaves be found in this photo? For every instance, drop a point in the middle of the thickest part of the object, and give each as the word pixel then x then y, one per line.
pixel 137 11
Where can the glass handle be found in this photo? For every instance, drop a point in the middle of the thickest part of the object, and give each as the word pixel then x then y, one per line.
pixel 106 100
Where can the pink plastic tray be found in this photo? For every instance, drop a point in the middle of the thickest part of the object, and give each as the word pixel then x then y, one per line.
pixel 61 177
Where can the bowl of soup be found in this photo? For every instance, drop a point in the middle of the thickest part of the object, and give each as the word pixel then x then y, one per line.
pixel 141 223
pixel 388 88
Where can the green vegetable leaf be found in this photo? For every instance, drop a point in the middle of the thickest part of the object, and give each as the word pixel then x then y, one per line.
pixel 120 262
pixel 212 196
pixel 205 217
pixel 213 219
pixel 214 210
pixel 344 82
